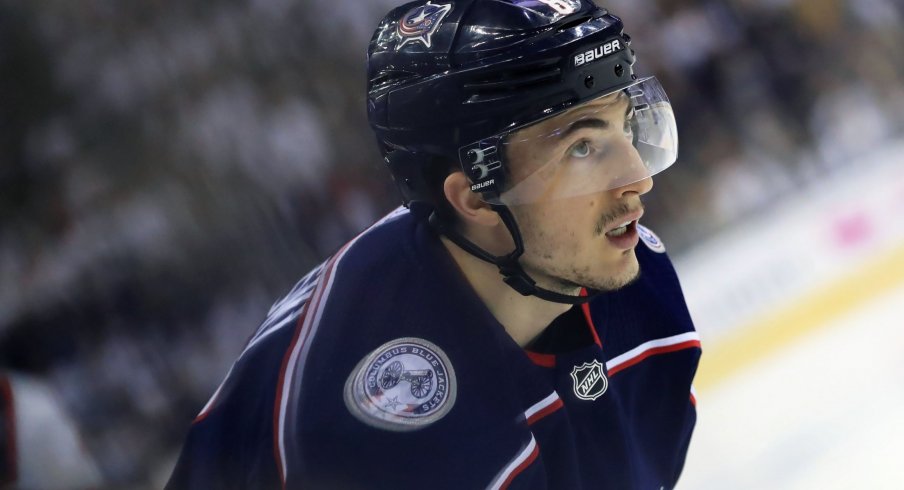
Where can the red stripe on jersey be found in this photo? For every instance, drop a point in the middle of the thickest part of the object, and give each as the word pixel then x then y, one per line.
pixel 652 352
pixel 544 360
pixel 279 394
pixel 298 337
pixel 545 411
pixel 521 467
pixel 200 418
pixel 693 400
pixel 586 308
pixel 306 325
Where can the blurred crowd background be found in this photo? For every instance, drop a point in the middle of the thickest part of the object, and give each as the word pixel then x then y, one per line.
pixel 169 169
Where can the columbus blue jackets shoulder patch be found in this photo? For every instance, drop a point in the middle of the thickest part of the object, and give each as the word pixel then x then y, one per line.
pixel 650 239
pixel 402 385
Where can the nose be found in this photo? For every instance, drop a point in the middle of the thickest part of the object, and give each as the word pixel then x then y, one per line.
pixel 635 173
pixel 639 188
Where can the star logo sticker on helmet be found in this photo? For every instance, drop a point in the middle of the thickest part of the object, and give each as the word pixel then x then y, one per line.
pixel 421 22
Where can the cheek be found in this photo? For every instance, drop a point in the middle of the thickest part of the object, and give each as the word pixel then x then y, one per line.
pixel 560 229
pixel 574 219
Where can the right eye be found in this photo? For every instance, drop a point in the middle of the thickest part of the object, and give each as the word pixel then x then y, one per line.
pixel 581 149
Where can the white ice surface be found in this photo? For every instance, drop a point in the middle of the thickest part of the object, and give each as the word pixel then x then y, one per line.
pixel 826 412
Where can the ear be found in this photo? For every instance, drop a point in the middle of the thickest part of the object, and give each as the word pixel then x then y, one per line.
pixel 470 208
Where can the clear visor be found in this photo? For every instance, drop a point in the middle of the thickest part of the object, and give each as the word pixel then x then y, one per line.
pixel 606 143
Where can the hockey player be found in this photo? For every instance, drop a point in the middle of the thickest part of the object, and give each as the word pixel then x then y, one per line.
pixel 505 329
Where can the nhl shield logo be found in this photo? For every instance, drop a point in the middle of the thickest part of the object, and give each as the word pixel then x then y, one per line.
pixel 589 380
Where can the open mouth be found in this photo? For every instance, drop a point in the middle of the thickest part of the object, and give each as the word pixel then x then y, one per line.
pixel 624 234
pixel 620 229
pixel 626 225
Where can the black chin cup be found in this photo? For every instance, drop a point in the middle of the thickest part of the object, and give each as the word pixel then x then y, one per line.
pixel 512 272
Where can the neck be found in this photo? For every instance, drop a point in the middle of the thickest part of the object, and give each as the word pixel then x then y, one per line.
pixel 523 317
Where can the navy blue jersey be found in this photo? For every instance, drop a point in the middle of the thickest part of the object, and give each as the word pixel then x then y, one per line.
pixel 383 369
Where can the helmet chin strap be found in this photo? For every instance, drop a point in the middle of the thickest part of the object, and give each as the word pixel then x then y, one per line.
pixel 509 266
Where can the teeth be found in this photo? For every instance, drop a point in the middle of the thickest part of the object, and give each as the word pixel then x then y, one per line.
pixel 620 230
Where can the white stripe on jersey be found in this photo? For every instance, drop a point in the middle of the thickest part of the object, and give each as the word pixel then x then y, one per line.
pixel 540 405
pixel 647 346
pixel 525 453
pixel 316 305
pixel 302 345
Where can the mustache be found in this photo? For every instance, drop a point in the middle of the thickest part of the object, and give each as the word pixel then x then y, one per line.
pixel 614 214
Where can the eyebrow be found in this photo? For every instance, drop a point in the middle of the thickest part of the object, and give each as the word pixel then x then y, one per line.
pixel 593 123
pixel 582 124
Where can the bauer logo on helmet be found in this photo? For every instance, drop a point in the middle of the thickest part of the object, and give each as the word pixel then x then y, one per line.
pixel 598 52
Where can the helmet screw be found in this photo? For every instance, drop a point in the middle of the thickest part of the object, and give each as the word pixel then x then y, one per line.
pixel 619 71
pixel 475 156
pixel 589 82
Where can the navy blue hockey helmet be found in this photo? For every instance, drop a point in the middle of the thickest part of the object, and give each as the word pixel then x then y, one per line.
pixel 474 82
pixel 455 81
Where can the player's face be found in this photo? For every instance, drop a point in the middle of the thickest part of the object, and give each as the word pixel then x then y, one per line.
pixel 579 241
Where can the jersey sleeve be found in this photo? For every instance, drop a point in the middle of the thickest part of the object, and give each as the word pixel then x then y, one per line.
pixel 230 444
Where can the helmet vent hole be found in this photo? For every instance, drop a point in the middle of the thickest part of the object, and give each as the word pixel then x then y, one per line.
pixel 619 71
pixel 568 24
pixel 589 82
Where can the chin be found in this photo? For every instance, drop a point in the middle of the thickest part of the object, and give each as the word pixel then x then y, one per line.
pixel 630 276
pixel 618 276
pixel 609 277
